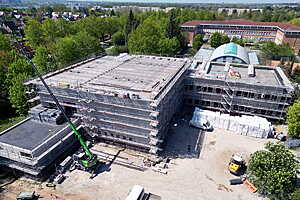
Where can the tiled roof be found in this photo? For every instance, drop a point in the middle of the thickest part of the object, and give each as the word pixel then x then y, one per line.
pixel 282 25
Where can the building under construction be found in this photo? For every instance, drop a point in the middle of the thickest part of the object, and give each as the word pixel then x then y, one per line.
pixel 229 79
pixel 130 100
pixel 32 147
pixel 125 99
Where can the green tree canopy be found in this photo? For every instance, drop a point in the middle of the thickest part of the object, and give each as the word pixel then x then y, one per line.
pixel 130 25
pixel 87 44
pixel 66 51
pixel 295 21
pixel 34 33
pixel 225 39
pixel 238 41
pixel 43 60
pixel 169 47
pixel 293 119
pixel 17 96
pixel 274 51
pixel 216 40
pixel 118 38
pixel 150 38
pixel 73 48
pixel 273 171
pixel 4 43
pixel 198 42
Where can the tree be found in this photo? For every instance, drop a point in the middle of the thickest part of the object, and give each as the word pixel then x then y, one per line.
pixel 87 45
pixel 271 50
pixel 34 33
pixel 112 13
pixel 73 48
pixel 225 39
pixel 4 43
pixel 118 38
pixel 172 26
pixel 17 96
pixel 130 25
pixel 198 41
pixel 238 41
pixel 5 59
pixel 169 47
pixel 145 39
pixel 295 21
pixel 150 38
pixel 50 30
pixel 296 195
pixel 43 60
pixel 293 119
pixel 216 40
pixel 66 51
pixel 18 66
pixel 273 171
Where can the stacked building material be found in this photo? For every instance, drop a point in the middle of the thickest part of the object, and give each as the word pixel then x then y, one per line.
pixel 46 115
pixel 253 126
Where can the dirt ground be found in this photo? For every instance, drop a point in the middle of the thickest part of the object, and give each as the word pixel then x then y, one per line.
pixel 188 178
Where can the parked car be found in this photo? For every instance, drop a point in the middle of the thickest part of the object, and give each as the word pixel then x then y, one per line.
pixel 27 196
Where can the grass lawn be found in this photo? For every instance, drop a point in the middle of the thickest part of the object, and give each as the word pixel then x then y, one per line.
pixel 6 123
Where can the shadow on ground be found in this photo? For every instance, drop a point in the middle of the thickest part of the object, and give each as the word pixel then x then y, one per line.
pixel 183 141
pixel 106 167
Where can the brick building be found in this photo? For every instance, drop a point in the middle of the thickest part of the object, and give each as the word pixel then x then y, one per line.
pixel 278 32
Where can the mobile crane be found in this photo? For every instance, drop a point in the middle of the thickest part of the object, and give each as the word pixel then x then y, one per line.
pixel 88 161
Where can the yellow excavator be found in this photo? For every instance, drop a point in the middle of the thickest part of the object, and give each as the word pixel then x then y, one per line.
pixel 236 165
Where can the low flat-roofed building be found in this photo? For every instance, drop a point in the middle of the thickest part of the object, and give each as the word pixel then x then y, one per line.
pixel 278 32
pixel 31 146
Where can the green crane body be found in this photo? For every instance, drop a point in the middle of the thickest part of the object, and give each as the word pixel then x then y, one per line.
pixel 91 160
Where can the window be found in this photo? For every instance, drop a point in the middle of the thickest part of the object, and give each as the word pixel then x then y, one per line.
pixel 274 98
pixel 197 102
pixel 198 88
pixel 27 155
pixel 191 87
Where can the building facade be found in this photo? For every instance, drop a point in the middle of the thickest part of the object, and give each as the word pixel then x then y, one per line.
pixel 229 79
pixel 127 99
pixel 278 32
pixel 131 100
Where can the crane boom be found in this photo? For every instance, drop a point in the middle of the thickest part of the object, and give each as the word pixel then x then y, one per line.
pixel 91 158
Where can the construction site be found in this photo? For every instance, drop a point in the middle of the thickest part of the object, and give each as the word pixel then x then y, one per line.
pixel 141 103
pixel 229 79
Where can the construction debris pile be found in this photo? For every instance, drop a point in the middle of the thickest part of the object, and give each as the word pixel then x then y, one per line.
pixel 253 126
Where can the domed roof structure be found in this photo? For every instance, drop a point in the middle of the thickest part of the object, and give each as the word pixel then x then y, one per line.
pixel 230 52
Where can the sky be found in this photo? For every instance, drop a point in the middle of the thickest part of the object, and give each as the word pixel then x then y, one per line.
pixel 203 1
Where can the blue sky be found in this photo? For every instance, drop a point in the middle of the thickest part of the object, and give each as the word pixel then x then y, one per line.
pixel 205 1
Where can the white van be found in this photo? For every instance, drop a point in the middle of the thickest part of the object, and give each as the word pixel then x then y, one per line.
pixel 202 124
pixel 136 193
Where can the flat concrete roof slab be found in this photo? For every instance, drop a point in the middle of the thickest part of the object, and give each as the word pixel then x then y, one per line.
pixel 29 134
pixel 263 76
pixel 120 74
